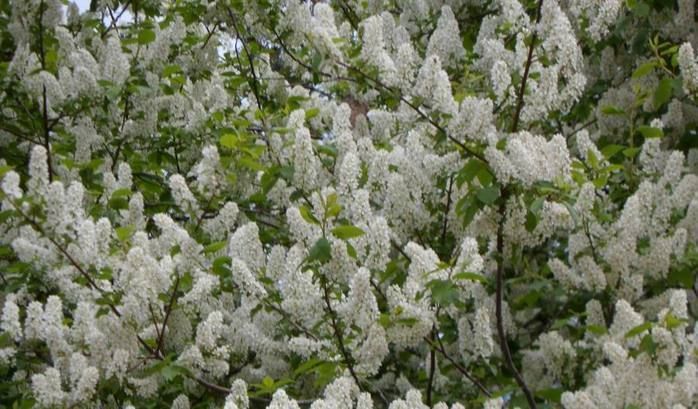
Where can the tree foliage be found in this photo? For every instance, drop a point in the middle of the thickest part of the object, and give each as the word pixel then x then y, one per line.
pixel 338 204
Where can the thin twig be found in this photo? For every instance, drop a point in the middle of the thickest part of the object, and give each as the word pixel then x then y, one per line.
pixel 287 317
pixel 155 322
pixel 501 334
pixel 44 99
pixel 168 312
pixel 338 335
pixel 209 35
pixel 444 227
pixel 115 20
pixel 432 367
pixel 440 348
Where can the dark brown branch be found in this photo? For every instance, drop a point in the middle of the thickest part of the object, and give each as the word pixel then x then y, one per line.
pixel 439 347
pixel 209 35
pixel 115 20
pixel 444 227
pixel 338 334
pixel 155 321
pixel 432 367
pixel 168 312
pixel 255 82
pixel 44 99
pixel 527 68
pixel 122 139
pixel 287 317
pixel 349 14
pixel 47 133
pixel 501 334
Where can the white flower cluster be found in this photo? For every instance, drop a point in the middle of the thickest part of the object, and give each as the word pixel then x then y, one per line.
pixel 531 158
pixel 689 68
pixel 555 85
pixel 599 15
pixel 628 378
pixel 441 41
pixel 325 249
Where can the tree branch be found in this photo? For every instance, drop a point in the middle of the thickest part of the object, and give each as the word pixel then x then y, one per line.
pixel 440 348
pixel 115 20
pixel 338 334
pixel 432 367
pixel 501 334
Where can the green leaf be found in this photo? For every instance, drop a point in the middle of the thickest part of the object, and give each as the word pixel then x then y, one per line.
pixel 118 203
pixel 609 151
pixel 663 93
pixel 408 321
pixel 351 251
pixel 681 277
pixel 321 251
pixel 593 160
pixel 600 181
pixel 124 232
pixel 333 210
pixel 671 321
pixel 468 207
pixel 531 221
pixel 488 195
pixel 537 205
pixel 347 232
pixel 443 292
pixel 552 395
pixel 214 247
pixel 146 36
pixel 612 110
pixel 169 373
pixel 268 382
pixel 325 373
pixel 220 266
pixel 650 132
pixel 642 9
pixel 4 169
pixel 6 340
pixel 597 329
pixel 229 140
pixel 470 276
pixel 644 69
pixel 469 171
pixel 647 345
pixel 384 320
pixel 123 192
pixel 251 164
pixel 485 176
pixel 638 330
pixel 307 366
pixel 307 215
pixel 311 113
pixel 171 69
pixel 631 152
pixel 105 274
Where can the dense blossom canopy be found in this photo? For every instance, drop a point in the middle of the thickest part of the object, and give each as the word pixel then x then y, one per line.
pixel 338 204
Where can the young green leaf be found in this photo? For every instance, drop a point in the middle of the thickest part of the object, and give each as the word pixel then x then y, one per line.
pixel 347 232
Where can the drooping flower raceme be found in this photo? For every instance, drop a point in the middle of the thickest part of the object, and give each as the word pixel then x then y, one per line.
pixel 352 204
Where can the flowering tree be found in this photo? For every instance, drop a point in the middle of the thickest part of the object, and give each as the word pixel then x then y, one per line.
pixel 349 204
